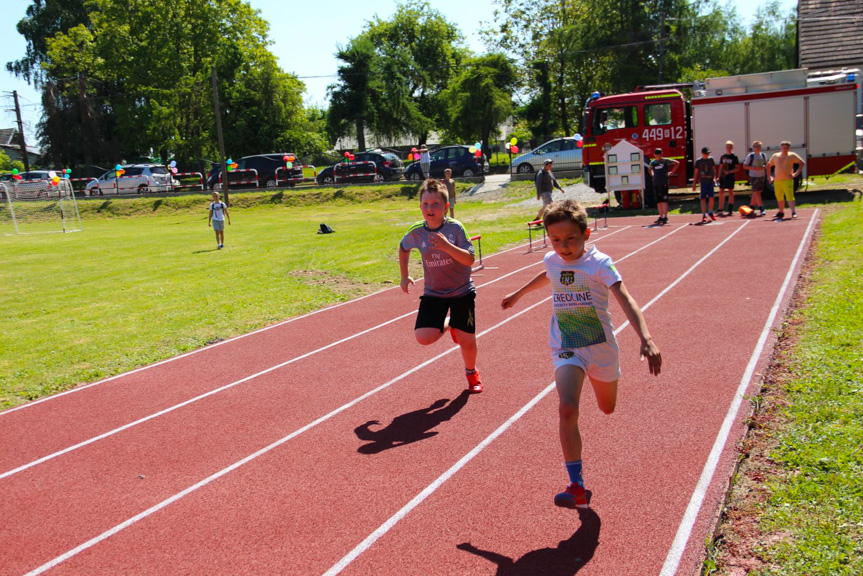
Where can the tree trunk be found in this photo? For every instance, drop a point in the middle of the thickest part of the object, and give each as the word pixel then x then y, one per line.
pixel 361 135
pixel 564 116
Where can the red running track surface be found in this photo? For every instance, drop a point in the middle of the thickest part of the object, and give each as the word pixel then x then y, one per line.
pixel 333 443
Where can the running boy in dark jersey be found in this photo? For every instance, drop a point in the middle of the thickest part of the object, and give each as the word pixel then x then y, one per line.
pixel 447 256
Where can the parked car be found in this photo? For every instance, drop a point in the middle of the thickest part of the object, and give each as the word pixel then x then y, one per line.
pixel 388 166
pixel 38 184
pixel 265 165
pixel 140 178
pixel 457 158
pixel 564 152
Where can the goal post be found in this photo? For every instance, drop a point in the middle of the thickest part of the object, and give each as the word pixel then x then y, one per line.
pixel 38 207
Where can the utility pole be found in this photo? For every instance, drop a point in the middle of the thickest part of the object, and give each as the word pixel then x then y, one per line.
pixel 21 132
pixel 225 180
pixel 662 32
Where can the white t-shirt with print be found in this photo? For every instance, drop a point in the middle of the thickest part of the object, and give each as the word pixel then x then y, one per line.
pixel 580 299
pixel 218 210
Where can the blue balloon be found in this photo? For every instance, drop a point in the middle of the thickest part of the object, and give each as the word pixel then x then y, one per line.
pixel 118 167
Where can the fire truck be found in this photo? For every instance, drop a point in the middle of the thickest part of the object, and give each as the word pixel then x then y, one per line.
pixel 817 117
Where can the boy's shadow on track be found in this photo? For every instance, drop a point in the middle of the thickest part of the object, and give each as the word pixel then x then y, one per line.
pixel 410 427
pixel 568 558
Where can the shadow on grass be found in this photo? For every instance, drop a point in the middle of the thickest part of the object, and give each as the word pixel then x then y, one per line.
pixel 570 555
pixel 277 197
pixel 205 251
pixel 157 203
pixel 409 427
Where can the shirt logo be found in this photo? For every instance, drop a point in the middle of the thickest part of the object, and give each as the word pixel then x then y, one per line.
pixel 566 355
pixel 567 277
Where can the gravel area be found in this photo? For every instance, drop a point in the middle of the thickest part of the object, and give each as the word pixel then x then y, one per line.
pixel 579 192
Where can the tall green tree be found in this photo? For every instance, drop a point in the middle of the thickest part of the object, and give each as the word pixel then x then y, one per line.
pixel 134 78
pixel 479 99
pixel 422 52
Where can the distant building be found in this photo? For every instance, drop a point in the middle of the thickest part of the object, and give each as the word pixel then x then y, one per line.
pixel 830 34
pixel 10 145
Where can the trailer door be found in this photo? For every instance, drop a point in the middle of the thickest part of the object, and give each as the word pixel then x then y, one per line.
pixel 714 124
pixel 777 119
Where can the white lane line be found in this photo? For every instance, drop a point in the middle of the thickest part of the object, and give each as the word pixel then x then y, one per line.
pixel 431 488
pixel 261 452
pixel 152 510
pixel 228 386
pixel 684 531
pixel 223 342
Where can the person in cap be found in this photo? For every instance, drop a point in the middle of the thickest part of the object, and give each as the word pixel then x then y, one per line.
pixel 545 182
pixel 705 174
pixel 425 161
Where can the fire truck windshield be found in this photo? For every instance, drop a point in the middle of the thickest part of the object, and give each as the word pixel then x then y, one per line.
pixel 605 119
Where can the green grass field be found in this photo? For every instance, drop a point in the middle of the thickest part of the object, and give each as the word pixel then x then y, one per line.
pixel 816 502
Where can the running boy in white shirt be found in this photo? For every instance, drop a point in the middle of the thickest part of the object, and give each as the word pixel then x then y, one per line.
pixel 581 336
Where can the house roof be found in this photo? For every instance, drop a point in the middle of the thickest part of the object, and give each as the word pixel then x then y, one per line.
pixel 831 33
pixel 7 135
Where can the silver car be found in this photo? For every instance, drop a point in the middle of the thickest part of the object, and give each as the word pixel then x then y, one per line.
pixel 138 178
pixel 564 152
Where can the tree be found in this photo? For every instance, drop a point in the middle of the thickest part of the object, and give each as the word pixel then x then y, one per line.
pixel 421 51
pixel 352 96
pixel 480 97
pixel 130 78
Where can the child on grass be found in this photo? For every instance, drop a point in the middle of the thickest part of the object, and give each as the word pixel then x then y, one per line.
pixel 581 337
pixel 218 213
pixel 447 256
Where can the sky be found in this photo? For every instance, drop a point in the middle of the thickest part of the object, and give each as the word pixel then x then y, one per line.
pixel 305 38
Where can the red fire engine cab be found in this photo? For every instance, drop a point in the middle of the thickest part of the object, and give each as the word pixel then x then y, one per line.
pixel 818 119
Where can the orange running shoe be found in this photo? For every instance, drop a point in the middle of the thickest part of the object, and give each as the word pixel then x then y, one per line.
pixel 474 384
pixel 573 497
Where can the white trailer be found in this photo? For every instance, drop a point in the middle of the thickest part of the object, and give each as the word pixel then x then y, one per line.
pixel 819 120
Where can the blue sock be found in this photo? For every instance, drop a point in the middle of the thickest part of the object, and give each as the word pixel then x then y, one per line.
pixel 574 469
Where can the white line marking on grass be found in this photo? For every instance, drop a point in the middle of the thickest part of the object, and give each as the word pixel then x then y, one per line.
pixel 431 488
pixel 225 387
pixel 678 546
pixel 152 510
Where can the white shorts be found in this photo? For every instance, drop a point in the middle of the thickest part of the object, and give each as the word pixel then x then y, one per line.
pixel 600 362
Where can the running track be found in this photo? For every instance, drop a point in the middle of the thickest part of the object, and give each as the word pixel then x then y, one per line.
pixel 333 444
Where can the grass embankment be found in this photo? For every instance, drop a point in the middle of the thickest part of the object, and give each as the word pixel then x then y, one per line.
pixel 797 507
pixel 144 281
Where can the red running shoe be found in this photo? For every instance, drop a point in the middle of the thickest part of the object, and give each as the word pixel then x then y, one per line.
pixel 712 217
pixel 474 384
pixel 573 497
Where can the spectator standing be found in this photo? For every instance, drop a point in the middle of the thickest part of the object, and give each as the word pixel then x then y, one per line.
pixel 754 164
pixel 659 171
pixel 545 182
pixel 728 163
pixel 705 175
pixel 784 162
pixel 450 188
pixel 425 161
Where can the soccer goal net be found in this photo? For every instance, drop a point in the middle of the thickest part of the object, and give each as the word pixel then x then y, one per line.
pixel 38 206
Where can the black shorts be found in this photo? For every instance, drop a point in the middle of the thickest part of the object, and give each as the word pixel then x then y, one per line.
pixel 661 193
pixel 433 311
pixel 727 182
